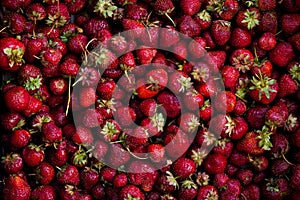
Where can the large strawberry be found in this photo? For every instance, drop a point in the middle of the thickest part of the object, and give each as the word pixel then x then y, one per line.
pixel 16 188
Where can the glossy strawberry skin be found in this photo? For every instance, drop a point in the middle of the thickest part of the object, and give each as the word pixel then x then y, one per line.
pixel 16 188
pixel 17 99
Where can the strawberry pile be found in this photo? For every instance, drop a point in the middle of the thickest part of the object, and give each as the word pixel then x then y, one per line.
pixel 150 99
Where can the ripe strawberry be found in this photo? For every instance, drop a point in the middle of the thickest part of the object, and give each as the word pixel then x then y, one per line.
pixel 267 41
pixel 279 167
pixel 166 183
pixel 286 53
pixel 295 179
pixel 203 18
pixel 20 138
pixel 263 89
pixel 240 38
pixel 275 188
pixel 190 7
pixel 12 163
pixel 33 155
pixel 11 53
pixel 230 76
pixel 187 190
pixel 220 180
pixel 58 156
pixel 89 177
pixel 135 12
pixel 120 180
pixel 268 22
pixel 220 31
pixel 228 99
pixel 15 5
pixel 87 96
pixel 105 89
pixel 276 116
pixel 16 22
pixel 164 8
pixel 16 188
pixel 215 163
pixel 193 100
pixel 239 159
pixel 245 176
pixel 93 25
pixel 68 174
pixel 188 26
pixel 224 147
pixel 43 192
pixel 156 151
pixel 290 23
pixel 36 12
pixel 266 5
pixel 280 145
pixel 170 103
pixel 168 37
pixel 287 86
pixel 248 19
pixel 50 57
pixel 118 156
pixel 44 173
pixel 242 59
pixel 131 192
pixel 207 192
pixel 58 15
pixel 251 192
pixel 51 133
pixel 183 168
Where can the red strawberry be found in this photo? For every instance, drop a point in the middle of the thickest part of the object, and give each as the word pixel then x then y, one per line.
pixel 228 99
pixel 89 177
pixel 183 168
pixel 120 180
pixel 190 7
pixel 36 12
pixel 125 116
pixel 58 156
pixel 87 96
pixel 290 23
pixel 33 155
pixel 245 176
pixel 266 5
pixel 207 192
pixel 105 89
pixel 44 173
pixel 240 38
pixel 188 26
pixel 98 191
pixel 188 190
pixel 230 76
pixel 51 133
pixel 203 18
pixel 268 22
pixel 50 57
pixel 134 28
pixel 94 25
pixel 282 54
pixel 131 192
pixel 12 163
pixel 15 5
pixel 215 163
pixel 118 156
pixel 275 188
pixel 20 138
pixel 170 103
pixel 267 41
pixel 156 151
pixel 166 183
pixel 248 19
pixel 168 36
pixel 220 31
pixel 287 86
pixel 263 89
pixel 107 174
pixel 164 8
pixel 16 188
pixel 295 179
pixel 242 59
pixel 16 22
pixel 69 174
pixel 251 192
pixel 58 15
pixel 43 192
pixel 11 53
pixel 135 12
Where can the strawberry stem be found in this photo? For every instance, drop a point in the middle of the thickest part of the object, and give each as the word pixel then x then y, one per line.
pixel 69 96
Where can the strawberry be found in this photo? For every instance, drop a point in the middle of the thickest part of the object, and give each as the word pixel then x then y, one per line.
pixel 166 183
pixel 220 31
pixel 267 41
pixel 203 18
pixel 263 89
pixel 68 174
pixel 230 76
pixel 16 188
pixel 20 138
pixel 156 151
pixel 168 37
pixel 268 22
pixel 82 135
pixel 93 25
pixel 193 100
pixel 287 86
pixel 11 53
pixel 89 177
pixel 183 168
pixel 57 15
pixel 170 103
pixel 190 7
pixel 279 167
pixel 242 59
pixel 15 5
pixel 87 96
pixel 295 180
pixel 266 5
pixel 131 192
pixel 120 180
pixel 248 19
pixel 118 156
pixel 286 53
pixel 51 133
pixel 215 163
pixel 220 180
pixel 280 145
pixel 15 22
pixel 207 192
pixel 251 192
pixel 188 190
pixel 98 191
pixel 276 116
pixel 43 192
pixel 276 188
pixel 105 89
pixel 229 100
pixel 33 155
pixel 12 163
pixel 164 8
pixel 36 12
pixel 245 176
pixel 76 6
pixel 44 173
pixel 188 26
pixel 135 12
pixel 240 38
pixel 237 127
pixel 239 158
pixel 290 23
pixel 58 156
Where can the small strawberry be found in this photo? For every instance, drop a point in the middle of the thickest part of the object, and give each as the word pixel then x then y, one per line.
pixel 44 173
pixel 170 103
pixel 220 31
pixel 263 89
pixel 120 180
pixel 248 19
pixel 282 54
pixel 183 168
pixel 242 59
pixel 87 96
pixel 11 53
pixel 240 38
pixel 131 192
pixel 12 163
pixel 33 155
pixel 203 18
pixel 16 188
pixel 215 163
pixel 51 133
pixel 166 183
pixel 190 7
pixel 287 86
pixel 188 26
pixel 89 177
pixel 69 174
pixel 208 192
pixel 188 190
pixel 164 8
pixel 43 192
pixel 20 138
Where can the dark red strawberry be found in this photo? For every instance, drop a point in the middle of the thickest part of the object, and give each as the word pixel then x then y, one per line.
pixel 170 103
pixel 68 174
pixel 183 168
pixel 16 188
pixel 16 22
pixel 164 8
pixel 290 23
pixel 58 156
pixel 20 138
pixel 120 180
pixel 203 18
pixel 50 57
pixel 240 38
pixel 245 176
pixel 57 15
pixel 12 163
pixel 89 177
pixel 275 188
pixel 282 54
pixel 287 86
pixel 263 89
pixel 190 7
pixel 33 155
pixel 11 53
pixel 43 192
pixel 131 192
pixel 156 151
pixel 248 19
pixel 93 25
pixel 82 135
pixel 98 191
pixel 87 96
pixel 44 173
pixel 51 133
pixel 268 22
pixel 36 12
pixel 15 5
pixel 166 183
pixel 188 26
pixel 242 59
pixel 207 192
pixel 118 156
pixel 221 32
pixel 188 190
pixel 215 163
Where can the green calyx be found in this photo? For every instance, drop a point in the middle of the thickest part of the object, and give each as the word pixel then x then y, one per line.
pixel 295 73
pixel 33 83
pixel 264 138
pixel 251 19
pixel 204 15
pixel 262 83
pixel 105 8
pixel 15 56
